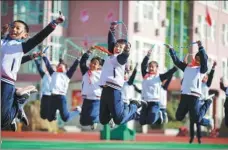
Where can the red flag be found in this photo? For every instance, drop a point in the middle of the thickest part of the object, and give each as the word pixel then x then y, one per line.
pixel 208 17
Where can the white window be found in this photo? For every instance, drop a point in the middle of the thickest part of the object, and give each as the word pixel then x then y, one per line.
pixel 151 10
pixel 137 48
pixel 225 34
pixel 206 31
pixel 55 49
pixel 225 68
pixel 225 5
pixel 137 12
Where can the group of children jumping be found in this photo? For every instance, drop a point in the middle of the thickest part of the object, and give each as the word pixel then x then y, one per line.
pixel 107 85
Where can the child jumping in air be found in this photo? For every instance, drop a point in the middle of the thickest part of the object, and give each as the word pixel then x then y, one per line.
pixel 13 49
pixel 91 90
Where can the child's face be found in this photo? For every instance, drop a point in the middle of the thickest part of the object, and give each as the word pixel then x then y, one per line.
pixel 61 68
pixel 152 68
pixel 197 60
pixel 94 65
pixel 17 31
pixel 119 47
pixel 205 78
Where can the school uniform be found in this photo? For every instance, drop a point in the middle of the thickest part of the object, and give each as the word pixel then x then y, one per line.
pixel 12 52
pixel 151 91
pixel 58 87
pixel 91 93
pixel 225 89
pixel 191 89
pixel 46 91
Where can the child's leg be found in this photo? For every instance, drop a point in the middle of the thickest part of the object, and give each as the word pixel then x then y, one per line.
pixel 105 115
pixel 191 129
pixel 143 115
pixel 90 112
pixel 182 109
pixel 153 113
pixel 198 128
pixel 121 114
pixel 62 106
pixel 9 107
pixel 52 108
pixel 226 111
pixel 44 106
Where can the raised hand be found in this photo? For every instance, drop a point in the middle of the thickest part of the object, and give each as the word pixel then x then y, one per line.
pixel 61 18
pixel 199 43
pixel 214 64
pixel 168 46
pixel 113 25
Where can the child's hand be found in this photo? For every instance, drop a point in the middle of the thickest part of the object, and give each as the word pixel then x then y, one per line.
pixel 168 46
pixel 149 52
pixel 91 49
pixel 5 29
pixel 199 43
pixel 60 19
pixel 214 64
pixel 127 47
pixel 221 79
pixel 113 25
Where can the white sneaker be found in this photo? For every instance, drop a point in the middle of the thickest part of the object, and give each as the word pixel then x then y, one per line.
pixel 111 123
pixel 94 126
pixel 210 127
pixel 166 117
pixel 26 91
pixel 161 116
pixel 78 108
pixel 22 117
pixel 210 97
pixel 13 125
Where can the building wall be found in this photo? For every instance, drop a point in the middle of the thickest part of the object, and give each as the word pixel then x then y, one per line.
pixel 214 46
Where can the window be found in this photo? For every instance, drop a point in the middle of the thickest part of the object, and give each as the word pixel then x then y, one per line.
pixel 4 8
pixel 55 49
pixel 225 34
pixel 151 10
pixel 225 5
pixel 29 11
pixel 205 31
pixel 137 13
pixel 137 48
pixel 225 68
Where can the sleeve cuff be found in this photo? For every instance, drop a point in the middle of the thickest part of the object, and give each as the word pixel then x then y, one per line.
pixel 53 24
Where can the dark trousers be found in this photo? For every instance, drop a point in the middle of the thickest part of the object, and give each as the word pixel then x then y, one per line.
pixel 90 112
pixel 196 111
pixel 44 106
pixel 59 102
pixel 9 106
pixel 112 106
pixel 151 115
pixel 226 111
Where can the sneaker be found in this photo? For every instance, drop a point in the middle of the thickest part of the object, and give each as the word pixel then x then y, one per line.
pixel 210 127
pixel 191 140
pixel 199 140
pixel 166 119
pixel 78 108
pixel 210 97
pixel 26 91
pixel 13 125
pixel 161 116
pixel 22 117
pixel 139 103
pixel 111 123
pixel 94 126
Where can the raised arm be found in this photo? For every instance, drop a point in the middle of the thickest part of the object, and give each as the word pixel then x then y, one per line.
pixel 48 65
pixel 26 59
pixel 39 37
pixel 211 74
pixel 168 74
pixel 166 84
pixel 176 60
pixel 203 58
pixel 137 89
pixel 122 58
pixel 132 77
pixel 111 37
pixel 39 67
pixel 72 69
pixel 145 63
pixel 83 66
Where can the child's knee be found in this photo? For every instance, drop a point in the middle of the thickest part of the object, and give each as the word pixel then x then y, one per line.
pixel 179 117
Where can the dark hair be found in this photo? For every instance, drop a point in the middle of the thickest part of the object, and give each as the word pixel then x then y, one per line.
pixel 98 59
pixel 197 54
pixel 61 61
pixel 25 24
pixel 154 62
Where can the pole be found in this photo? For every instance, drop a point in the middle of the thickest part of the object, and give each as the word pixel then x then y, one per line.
pixel 181 31
pixel 171 29
pixel 120 17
